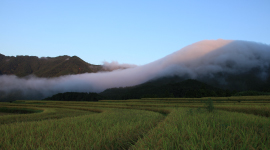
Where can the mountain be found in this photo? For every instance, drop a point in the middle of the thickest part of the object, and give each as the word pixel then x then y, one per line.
pixel 224 64
pixel 164 88
pixel 22 66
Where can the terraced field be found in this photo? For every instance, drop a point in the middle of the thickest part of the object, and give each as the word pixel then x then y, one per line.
pixel 137 124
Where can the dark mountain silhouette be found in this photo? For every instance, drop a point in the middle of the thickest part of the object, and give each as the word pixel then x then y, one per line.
pixel 46 66
pixel 164 88
pixel 219 67
pixel 246 81
pixel 75 96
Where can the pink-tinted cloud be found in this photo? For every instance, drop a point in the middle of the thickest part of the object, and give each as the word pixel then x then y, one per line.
pixel 200 59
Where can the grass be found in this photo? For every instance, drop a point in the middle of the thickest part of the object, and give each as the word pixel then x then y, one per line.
pixel 261 98
pixel 19 110
pixel 112 129
pixel 209 105
pixel 138 124
pixel 48 113
pixel 256 110
pixel 193 129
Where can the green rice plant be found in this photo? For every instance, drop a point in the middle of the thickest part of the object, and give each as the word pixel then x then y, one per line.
pixel 209 105
pixel 256 110
pixel 138 124
pixel 202 130
pixel 48 113
pixel 28 102
pixel 19 110
pixel 112 129
pixel 232 98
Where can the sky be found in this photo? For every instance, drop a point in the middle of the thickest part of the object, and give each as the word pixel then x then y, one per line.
pixel 134 32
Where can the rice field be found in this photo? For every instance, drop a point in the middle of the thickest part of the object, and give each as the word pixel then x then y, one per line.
pixel 137 124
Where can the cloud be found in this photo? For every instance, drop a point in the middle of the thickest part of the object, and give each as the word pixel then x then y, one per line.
pixel 114 65
pixel 200 60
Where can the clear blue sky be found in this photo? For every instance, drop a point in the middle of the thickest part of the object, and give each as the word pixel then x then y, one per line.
pixel 135 32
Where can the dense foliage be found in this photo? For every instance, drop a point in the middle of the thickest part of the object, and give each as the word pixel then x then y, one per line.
pixel 75 96
pixel 251 93
pixel 164 88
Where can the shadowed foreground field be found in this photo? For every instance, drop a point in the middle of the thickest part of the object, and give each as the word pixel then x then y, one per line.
pixel 235 123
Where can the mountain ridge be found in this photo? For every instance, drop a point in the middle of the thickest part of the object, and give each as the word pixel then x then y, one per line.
pixel 22 66
pixel 225 64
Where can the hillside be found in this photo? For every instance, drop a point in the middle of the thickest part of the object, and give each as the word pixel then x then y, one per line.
pixel 164 88
pixel 45 67
pixel 75 96
pixel 223 64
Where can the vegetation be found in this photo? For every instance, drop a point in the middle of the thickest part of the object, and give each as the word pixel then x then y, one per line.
pixel 19 110
pixel 209 105
pixel 164 123
pixel 251 93
pixel 22 66
pixel 203 130
pixel 162 88
pixel 186 88
pixel 75 96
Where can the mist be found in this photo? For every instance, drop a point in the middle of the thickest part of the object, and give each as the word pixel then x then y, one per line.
pixel 200 60
pixel 114 65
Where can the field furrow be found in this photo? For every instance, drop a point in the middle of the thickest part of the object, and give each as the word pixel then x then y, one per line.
pixel 135 124
pixel 112 129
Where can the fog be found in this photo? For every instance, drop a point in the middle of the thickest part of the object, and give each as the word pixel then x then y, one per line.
pixel 201 59
pixel 114 65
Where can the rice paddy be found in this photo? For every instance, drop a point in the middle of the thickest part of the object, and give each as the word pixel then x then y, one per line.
pixel 137 124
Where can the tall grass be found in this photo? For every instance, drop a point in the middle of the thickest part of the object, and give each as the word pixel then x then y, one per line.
pixel 209 105
pixel 256 110
pixel 137 124
pixel 199 129
pixel 48 113
pixel 112 129
pixel 19 110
